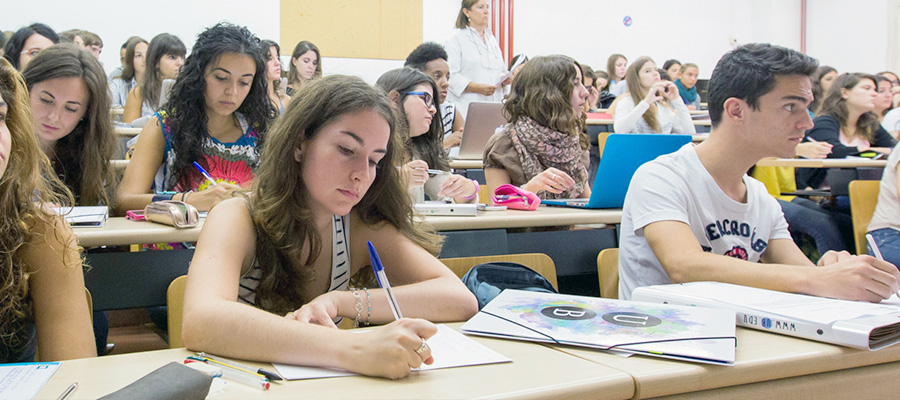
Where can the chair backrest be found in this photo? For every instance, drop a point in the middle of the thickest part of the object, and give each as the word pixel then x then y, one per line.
pixel 175 303
pixel 539 262
pixel 863 198
pixel 608 273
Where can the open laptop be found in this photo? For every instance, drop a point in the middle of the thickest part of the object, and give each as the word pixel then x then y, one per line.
pixel 482 119
pixel 622 155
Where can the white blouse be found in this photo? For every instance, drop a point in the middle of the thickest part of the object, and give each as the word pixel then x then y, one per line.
pixel 630 118
pixel 473 60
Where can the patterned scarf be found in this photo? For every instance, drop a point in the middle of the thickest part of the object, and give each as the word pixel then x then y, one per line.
pixel 540 148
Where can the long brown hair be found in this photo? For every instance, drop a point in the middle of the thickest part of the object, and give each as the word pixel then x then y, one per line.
pixel 542 91
pixel 280 200
pixel 81 158
pixel 611 67
pixel 26 188
pixel 637 92
pixel 835 105
pixel 299 50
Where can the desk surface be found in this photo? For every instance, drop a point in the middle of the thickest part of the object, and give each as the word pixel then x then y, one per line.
pixel 822 163
pixel 126 131
pixel 537 372
pixel 120 231
pixel 760 356
pixel 466 164
pixel 609 121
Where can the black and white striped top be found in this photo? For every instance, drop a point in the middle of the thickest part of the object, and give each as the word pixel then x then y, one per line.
pixel 448 114
pixel 340 264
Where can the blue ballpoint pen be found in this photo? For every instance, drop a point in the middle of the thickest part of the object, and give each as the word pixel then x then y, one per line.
pixel 875 249
pixel 205 174
pixel 383 281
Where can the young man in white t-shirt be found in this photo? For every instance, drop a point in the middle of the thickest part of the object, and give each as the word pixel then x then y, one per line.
pixel 694 215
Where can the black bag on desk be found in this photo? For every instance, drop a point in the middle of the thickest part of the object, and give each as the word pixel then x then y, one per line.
pixel 172 381
pixel 487 280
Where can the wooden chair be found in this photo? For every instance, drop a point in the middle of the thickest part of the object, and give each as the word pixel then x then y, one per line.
pixel 539 262
pixel 175 304
pixel 608 273
pixel 863 198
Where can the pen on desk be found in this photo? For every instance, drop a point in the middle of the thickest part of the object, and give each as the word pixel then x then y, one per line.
pixel 205 174
pixel 236 374
pixel 68 392
pixel 383 281
pixel 268 374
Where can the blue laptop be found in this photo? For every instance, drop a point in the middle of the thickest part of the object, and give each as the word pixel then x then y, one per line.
pixel 622 155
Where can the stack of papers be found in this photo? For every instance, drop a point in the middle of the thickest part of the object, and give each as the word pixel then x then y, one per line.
pixel 84 216
pixel 25 380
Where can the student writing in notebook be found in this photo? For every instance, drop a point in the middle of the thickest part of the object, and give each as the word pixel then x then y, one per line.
pixel 272 271
pixel 542 149
pixel 694 215
pixel 216 114
pixel 42 299
pixel 420 129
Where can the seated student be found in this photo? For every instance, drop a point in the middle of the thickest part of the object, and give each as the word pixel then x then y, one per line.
pixel 542 149
pixel 687 86
pixel 279 263
pixel 884 226
pixel 431 58
pixel 660 110
pixel 43 302
pixel 306 64
pixel 118 70
pixel 72 36
pixel 217 112
pixel 883 98
pixel 846 121
pixel 412 94
pixel 131 73
pixel 276 93
pixel 165 56
pixel 515 71
pixel 673 68
pixel 27 42
pixel 617 67
pixel 593 94
pixel 92 43
pixel 694 215
pixel 895 86
pixel 601 82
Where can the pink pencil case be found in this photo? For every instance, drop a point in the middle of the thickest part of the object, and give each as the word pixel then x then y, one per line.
pixel 515 198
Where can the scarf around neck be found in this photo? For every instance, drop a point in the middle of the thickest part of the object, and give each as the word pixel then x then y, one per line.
pixel 539 148
pixel 688 95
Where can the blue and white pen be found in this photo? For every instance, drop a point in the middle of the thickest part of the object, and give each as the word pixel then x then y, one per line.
pixel 383 281
pixel 875 248
pixel 205 174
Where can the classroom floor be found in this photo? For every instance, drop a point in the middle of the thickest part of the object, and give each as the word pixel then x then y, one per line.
pixel 131 331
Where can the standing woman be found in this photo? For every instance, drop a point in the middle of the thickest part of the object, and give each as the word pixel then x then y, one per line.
pixel 660 109
pixel 476 64
pixel 42 298
pixel 420 130
pixel 846 120
pixel 542 149
pixel 217 111
pixel 133 69
pixel 27 42
pixel 273 75
pixel 617 66
pixel 165 56
pixel 70 105
pixel 306 64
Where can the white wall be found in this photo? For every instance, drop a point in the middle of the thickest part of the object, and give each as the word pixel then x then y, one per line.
pixel 849 36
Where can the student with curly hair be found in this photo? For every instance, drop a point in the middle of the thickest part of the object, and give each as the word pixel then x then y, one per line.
pixel 279 263
pixel 42 291
pixel 217 113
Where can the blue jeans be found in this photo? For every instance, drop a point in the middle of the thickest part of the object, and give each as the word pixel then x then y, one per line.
pixel 807 217
pixel 888 241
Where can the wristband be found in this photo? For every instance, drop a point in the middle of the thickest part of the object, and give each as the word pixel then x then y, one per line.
pixel 163 196
pixel 477 188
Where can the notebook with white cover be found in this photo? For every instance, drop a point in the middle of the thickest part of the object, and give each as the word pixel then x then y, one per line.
pixel 93 216
pixel 681 333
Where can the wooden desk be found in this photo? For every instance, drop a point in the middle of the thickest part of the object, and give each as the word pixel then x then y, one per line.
pixel 466 164
pixel 116 111
pixel 125 131
pixel 120 231
pixel 537 372
pixel 822 163
pixel 700 137
pixel 610 122
pixel 767 366
pixel 119 165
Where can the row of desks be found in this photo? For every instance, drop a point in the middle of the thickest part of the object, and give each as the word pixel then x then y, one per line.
pixel 767 366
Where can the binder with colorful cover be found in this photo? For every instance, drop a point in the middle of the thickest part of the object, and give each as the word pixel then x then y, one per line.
pixel 677 332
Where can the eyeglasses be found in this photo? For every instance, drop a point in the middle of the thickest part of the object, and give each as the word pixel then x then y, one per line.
pixel 425 96
pixel 32 51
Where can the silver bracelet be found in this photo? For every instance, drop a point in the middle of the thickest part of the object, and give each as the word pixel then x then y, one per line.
pixel 368 300
pixel 359 307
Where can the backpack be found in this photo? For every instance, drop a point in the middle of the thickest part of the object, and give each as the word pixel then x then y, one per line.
pixel 487 280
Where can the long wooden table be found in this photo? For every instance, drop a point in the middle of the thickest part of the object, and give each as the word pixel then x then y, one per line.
pixel 609 121
pixel 127 131
pixel 822 163
pixel 120 231
pixel 537 372
pixel 766 365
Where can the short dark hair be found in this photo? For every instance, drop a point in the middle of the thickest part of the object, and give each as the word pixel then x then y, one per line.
pixel 670 63
pixel 749 71
pixel 16 42
pixel 425 53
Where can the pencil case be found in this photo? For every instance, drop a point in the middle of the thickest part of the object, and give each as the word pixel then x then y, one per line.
pixel 515 198
pixel 172 212
pixel 169 382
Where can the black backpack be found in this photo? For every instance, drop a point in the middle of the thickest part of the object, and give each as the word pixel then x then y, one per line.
pixel 487 280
